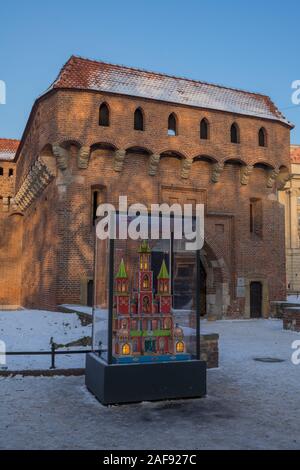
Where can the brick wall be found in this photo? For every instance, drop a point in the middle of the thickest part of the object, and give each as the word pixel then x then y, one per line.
pixel 11 227
pixel 58 232
pixel 10 240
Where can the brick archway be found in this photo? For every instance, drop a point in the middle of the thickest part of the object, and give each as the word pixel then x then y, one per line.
pixel 217 279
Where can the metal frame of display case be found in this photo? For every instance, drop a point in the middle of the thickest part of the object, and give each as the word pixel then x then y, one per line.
pixel 115 383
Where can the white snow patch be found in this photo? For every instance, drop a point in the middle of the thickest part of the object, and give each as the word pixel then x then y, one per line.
pixel 31 330
pixel 293 299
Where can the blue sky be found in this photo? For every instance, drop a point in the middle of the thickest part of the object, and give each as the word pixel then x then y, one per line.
pixel 254 45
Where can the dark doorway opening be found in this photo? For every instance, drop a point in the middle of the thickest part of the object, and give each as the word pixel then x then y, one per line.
pixel 256 299
pixel 90 293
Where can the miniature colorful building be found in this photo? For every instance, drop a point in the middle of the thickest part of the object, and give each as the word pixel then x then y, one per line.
pixel 143 329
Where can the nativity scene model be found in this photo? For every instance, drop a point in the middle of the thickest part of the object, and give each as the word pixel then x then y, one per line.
pixel 146 322
pixel 143 323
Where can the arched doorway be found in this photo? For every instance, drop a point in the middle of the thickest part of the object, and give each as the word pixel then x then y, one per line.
pixel 256 296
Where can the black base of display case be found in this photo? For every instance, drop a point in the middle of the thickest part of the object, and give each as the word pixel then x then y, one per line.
pixel 130 383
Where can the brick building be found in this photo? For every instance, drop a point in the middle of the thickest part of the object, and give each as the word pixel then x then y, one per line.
pixel 102 130
pixel 11 231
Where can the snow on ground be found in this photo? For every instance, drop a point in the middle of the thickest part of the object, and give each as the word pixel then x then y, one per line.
pixel 250 405
pixel 294 299
pixel 31 330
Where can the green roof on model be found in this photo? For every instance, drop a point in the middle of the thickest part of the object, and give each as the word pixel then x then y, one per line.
pixel 144 248
pixel 122 274
pixel 163 273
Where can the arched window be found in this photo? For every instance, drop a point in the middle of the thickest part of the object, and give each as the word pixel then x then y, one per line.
pixel 126 349
pixel 146 283
pixel 138 120
pixel 256 217
pixel 235 134
pixel 104 115
pixel 1 171
pixel 146 305
pixel 10 172
pixel 204 129
pixel 172 125
pixel 262 137
pixel 180 347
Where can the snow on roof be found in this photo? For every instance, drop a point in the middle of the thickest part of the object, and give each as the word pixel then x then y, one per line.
pixel 295 153
pixel 85 74
pixel 8 149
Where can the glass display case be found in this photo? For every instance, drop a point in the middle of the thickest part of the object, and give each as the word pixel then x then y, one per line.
pixel 146 320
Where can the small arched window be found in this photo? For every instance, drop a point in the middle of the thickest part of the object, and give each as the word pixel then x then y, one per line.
pixel 104 115
pixel 204 129
pixel 262 137
pixel 138 120
pixel 126 349
pixel 235 134
pixel 10 172
pixel 146 304
pixel 1 171
pixel 172 125
pixel 180 347
pixel 146 283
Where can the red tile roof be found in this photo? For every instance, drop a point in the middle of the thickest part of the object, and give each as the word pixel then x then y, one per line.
pixel 8 148
pixel 295 153
pixel 85 74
